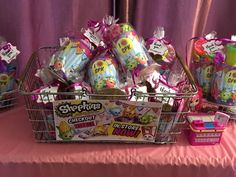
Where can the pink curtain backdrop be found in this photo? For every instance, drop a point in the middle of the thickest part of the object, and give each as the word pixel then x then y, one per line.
pixel 184 19
pixel 30 24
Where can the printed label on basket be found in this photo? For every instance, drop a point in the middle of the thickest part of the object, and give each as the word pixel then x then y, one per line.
pixel 158 47
pixel 8 53
pixel 46 95
pixel 92 120
pixel 163 88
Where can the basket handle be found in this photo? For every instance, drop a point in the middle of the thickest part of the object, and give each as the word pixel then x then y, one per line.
pixel 186 69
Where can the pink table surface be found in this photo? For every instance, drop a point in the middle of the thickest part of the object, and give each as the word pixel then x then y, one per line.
pixel 21 156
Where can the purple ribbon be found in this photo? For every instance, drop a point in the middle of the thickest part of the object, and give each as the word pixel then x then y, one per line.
pixel 218 58
pixel 3 67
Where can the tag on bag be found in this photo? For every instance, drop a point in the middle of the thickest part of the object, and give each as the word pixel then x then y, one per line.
pixel 158 47
pixel 46 95
pixel 8 52
pixel 92 37
pixel 212 46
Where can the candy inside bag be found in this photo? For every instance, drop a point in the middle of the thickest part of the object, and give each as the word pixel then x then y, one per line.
pixel 130 52
pixel 161 51
pixel 71 61
pixel 205 48
pixel 7 77
pixel 8 54
pixel 206 51
pixel 103 73
pixel 124 42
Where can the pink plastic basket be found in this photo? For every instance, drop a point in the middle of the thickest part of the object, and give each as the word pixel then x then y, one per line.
pixel 205 133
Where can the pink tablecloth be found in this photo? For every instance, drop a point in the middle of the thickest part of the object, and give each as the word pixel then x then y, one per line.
pixel 21 156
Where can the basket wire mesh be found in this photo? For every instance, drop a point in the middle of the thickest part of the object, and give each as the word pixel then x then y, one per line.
pixel 8 100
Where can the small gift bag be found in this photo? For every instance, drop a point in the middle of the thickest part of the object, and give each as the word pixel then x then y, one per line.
pixel 130 52
pixel 223 88
pixel 103 73
pixel 8 54
pixel 205 49
pixel 124 43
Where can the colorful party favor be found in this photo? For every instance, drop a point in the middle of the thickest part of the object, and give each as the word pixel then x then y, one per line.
pixel 7 77
pixel 72 60
pixel 8 54
pixel 103 73
pixel 223 88
pixel 161 50
pixel 205 51
pixel 130 52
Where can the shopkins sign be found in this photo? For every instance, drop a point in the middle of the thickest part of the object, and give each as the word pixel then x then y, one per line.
pixel 96 120
pixel 66 109
pixel 125 129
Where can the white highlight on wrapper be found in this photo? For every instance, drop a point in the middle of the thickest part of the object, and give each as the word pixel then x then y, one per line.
pixel 233 37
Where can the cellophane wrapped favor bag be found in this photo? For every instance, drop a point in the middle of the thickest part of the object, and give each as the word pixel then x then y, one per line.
pixel 8 54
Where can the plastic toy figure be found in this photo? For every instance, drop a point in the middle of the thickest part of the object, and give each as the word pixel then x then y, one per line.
pixel 196 102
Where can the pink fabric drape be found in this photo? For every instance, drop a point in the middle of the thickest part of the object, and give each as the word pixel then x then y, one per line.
pixel 31 24
pixel 184 19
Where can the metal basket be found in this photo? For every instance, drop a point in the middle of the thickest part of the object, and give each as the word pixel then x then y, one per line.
pixel 8 100
pixel 41 116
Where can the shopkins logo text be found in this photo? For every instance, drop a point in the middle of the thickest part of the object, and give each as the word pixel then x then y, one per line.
pixel 67 109
pixel 127 130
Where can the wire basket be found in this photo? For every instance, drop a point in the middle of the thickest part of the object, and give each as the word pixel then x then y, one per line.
pixel 8 100
pixel 42 118
pixel 8 91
